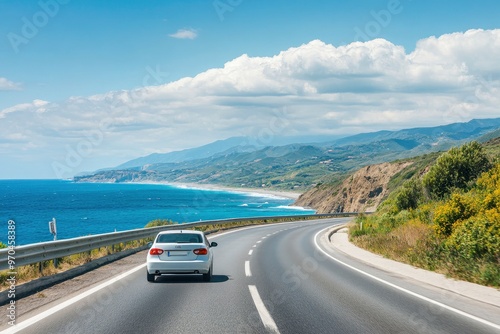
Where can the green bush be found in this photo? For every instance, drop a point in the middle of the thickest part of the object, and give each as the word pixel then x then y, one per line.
pixel 159 222
pixel 410 195
pixel 476 238
pixel 456 169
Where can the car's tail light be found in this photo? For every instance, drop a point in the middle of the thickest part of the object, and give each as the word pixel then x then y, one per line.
pixel 201 251
pixel 155 251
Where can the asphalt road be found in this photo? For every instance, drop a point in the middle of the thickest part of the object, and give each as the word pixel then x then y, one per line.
pixel 269 279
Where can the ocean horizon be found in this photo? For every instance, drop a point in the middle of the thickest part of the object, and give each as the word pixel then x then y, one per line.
pixel 82 209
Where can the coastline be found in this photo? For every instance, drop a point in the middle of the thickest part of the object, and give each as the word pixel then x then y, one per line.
pixel 277 193
pixel 206 186
pixel 120 206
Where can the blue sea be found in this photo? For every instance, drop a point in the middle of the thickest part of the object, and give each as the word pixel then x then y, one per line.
pixel 92 208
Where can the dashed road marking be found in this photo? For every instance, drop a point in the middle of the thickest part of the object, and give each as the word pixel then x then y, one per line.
pixel 264 314
pixel 248 272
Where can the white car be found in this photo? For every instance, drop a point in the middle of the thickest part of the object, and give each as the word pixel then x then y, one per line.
pixel 180 252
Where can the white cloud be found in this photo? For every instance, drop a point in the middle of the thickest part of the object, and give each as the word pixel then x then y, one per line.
pixel 6 84
pixel 477 50
pixel 312 88
pixel 185 34
pixel 37 106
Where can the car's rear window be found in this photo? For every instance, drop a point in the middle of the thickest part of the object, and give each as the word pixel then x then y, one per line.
pixel 179 238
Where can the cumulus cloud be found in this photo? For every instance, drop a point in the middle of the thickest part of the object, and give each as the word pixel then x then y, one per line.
pixel 475 49
pixel 185 34
pixel 35 106
pixel 315 88
pixel 6 84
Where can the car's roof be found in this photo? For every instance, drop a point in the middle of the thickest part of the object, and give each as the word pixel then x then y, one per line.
pixel 180 231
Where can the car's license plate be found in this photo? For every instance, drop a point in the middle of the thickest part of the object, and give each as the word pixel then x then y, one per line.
pixel 177 253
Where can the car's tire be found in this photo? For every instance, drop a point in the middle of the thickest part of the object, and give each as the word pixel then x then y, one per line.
pixel 150 277
pixel 208 276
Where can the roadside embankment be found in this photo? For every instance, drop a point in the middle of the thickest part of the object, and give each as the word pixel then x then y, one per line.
pixel 340 241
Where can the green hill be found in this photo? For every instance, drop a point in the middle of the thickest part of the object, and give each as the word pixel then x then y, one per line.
pixel 291 167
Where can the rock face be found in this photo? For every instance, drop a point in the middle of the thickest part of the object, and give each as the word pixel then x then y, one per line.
pixel 361 192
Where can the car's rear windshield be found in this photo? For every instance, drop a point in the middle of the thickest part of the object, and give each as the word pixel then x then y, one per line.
pixel 179 238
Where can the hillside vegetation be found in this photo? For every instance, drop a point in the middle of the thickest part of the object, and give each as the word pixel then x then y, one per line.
pixel 238 162
pixel 444 218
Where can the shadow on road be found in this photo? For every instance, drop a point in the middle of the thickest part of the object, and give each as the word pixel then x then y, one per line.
pixel 190 279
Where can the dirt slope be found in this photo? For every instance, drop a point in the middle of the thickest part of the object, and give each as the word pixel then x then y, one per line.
pixel 361 192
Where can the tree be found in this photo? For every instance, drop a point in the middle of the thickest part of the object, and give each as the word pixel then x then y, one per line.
pixel 456 169
pixel 409 195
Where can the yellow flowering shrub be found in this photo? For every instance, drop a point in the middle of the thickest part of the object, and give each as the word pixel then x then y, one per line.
pixel 489 185
pixel 477 238
pixel 457 209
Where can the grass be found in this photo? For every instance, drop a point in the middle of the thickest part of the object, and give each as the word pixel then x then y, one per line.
pixel 409 243
pixel 405 238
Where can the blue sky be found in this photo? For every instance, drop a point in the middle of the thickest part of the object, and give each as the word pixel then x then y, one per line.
pixel 92 84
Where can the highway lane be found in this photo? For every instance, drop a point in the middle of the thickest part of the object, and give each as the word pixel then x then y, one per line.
pixel 318 295
pixel 301 290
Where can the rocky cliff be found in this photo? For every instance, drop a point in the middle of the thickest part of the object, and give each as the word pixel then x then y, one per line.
pixel 363 191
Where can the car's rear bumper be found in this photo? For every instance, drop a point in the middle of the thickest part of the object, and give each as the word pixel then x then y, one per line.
pixel 178 267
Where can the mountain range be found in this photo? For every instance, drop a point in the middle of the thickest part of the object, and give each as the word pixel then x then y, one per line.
pixel 298 163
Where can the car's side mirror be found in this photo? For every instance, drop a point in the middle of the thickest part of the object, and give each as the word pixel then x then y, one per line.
pixel 213 244
pixel 150 244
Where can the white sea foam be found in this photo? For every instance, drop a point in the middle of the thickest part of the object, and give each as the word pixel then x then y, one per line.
pixel 291 207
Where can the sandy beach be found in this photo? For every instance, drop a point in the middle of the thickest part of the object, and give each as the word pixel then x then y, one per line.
pixel 278 193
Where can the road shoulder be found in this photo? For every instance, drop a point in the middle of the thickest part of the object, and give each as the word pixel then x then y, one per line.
pixel 340 241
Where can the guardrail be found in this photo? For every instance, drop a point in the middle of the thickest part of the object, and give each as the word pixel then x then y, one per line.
pixel 34 253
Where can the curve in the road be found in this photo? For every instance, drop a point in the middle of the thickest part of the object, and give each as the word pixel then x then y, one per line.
pixel 268 279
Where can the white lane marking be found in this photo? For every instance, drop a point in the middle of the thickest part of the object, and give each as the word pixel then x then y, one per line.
pixel 264 314
pixel 45 314
pixel 250 252
pixel 432 301
pixel 254 246
pixel 259 241
pixel 248 273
